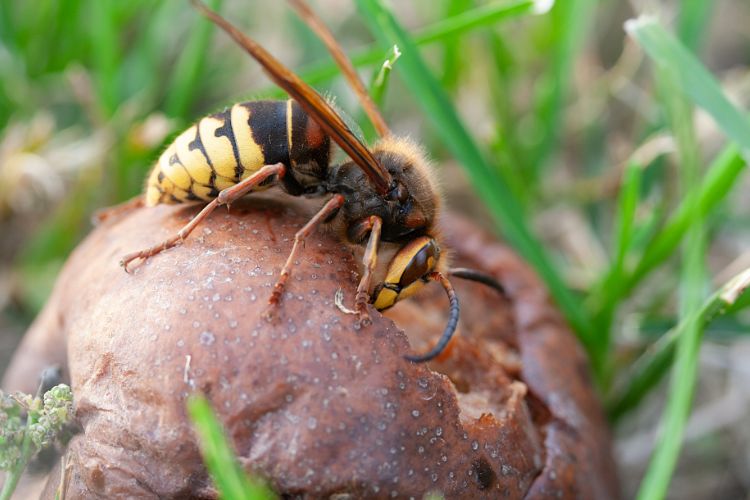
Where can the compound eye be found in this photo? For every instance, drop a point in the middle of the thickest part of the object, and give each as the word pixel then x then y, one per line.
pixel 400 193
pixel 423 262
pixel 406 271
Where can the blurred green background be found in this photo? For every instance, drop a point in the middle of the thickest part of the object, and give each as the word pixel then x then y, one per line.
pixel 613 162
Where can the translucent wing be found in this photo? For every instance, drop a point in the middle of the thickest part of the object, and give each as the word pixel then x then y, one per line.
pixel 312 102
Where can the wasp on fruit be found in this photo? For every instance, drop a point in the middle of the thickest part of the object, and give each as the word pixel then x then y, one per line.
pixel 384 194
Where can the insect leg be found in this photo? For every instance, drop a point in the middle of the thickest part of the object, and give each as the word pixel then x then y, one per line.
pixel 226 196
pixel 369 260
pixel 103 214
pixel 299 240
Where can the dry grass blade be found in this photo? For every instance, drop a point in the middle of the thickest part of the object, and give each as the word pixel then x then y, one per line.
pixel 347 68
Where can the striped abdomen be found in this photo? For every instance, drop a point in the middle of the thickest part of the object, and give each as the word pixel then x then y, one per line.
pixel 225 148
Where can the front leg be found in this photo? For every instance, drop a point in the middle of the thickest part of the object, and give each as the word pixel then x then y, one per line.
pixel 370 259
pixel 106 213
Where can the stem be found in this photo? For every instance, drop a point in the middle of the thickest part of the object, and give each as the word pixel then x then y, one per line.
pixel 11 481
pixel 14 475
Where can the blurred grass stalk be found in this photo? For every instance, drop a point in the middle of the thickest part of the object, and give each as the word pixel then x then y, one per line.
pixel 570 20
pixel 446 29
pixel 679 76
pixel 106 55
pixel 691 79
pixel 191 66
pixel 692 281
pixel 692 22
pixel 620 280
pixel 650 367
pixel 229 478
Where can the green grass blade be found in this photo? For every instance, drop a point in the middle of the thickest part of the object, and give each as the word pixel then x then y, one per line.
pixel 627 206
pixel 142 67
pixel 106 54
pixel 651 366
pixel 507 145
pixel 570 20
pixel 453 63
pixel 228 476
pixel 685 370
pixel 600 299
pixel 8 33
pixel 692 23
pixel 189 71
pixel 381 78
pixel 719 180
pixel 659 473
pixel 692 78
pixel 486 15
pixel 648 370
pixel 492 188
pixel 378 86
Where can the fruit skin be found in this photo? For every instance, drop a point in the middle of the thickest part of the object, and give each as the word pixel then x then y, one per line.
pixel 312 403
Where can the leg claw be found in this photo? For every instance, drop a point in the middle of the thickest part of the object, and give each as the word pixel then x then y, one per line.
pixel 364 316
pixel 125 261
pixel 365 320
pixel 270 313
pixel 124 264
pixel 360 305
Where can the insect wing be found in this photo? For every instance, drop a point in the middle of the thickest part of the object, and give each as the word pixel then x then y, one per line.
pixel 312 102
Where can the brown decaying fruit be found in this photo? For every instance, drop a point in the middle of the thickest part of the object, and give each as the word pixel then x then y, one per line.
pixel 314 404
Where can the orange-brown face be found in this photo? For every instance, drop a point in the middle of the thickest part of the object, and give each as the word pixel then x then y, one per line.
pixel 407 271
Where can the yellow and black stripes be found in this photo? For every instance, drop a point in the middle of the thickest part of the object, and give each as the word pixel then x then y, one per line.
pixel 225 148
